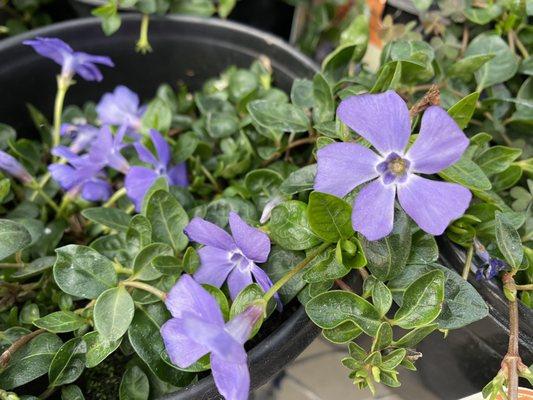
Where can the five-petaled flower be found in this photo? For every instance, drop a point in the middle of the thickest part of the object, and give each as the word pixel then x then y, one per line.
pixel 232 258
pixel 383 120
pixel 140 179
pixel 106 149
pixel 72 62
pixel 198 328
pixel 122 107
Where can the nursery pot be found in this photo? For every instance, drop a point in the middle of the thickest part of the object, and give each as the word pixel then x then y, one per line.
pixel 185 49
pixel 464 362
pixel 270 15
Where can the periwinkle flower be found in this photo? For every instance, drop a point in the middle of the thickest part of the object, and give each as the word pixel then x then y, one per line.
pixel 198 328
pixel 383 120
pixel 83 176
pixel 10 165
pixel 491 267
pixel 82 135
pixel 122 107
pixel 72 62
pixel 140 179
pixel 230 257
pixel 107 147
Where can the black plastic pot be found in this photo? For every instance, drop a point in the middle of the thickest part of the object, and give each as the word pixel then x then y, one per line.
pixel 274 16
pixel 464 362
pixel 185 49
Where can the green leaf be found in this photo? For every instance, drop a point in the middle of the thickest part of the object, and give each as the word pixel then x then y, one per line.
pixel 98 348
pixel 497 159
pixel 508 240
pixel 13 237
pixel 221 299
pixel 467 173
pixel 325 267
pixel 281 261
pixel 381 298
pixel 158 116
pixel 60 322
pixel 465 67
pixel 71 392
pixel 113 218
pixel 506 179
pixel 82 271
pixel 383 337
pixel 145 338
pixel 411 339
pixel 275 115
pixel 330 309
pixel 324 108
pixel 68 363
pixel 301 180
pixel 143 268
pixel 30 362
pixel 393 359
pixel 36 267
pixel 302 93
pixel 422 301
pixel 244 299
pixel 191 260
pixel 463 110
pixel 501 68
pixel 329 217
pixel 289 226
pixel 168 219
pixel 134 384
pixel 167 265
pixel 113 312
pixel 344 333
pixel 387 257
pixel 424 249
pixel 483 15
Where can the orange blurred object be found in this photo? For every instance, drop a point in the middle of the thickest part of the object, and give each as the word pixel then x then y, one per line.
pixel 376 11
pixel 523 394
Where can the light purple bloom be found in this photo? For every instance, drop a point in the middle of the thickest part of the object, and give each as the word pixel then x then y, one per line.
pixel 83 175
pixel 198 328
pixel 82 136
pixel 107 147
pixel 71 61
pixel 230 257
pixel 140 179
pixel 122 107
pixel 10 165
pixel 383 120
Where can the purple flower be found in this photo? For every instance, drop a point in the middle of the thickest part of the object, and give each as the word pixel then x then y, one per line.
pixel 10 165
pixel 232 258
pixel 121 108
pixel 107 147
pixel 140 179
pixel 383 120
pixel 71 61
pixel 82 136
pixel 491 267
pixel 83 175
pixel 198 328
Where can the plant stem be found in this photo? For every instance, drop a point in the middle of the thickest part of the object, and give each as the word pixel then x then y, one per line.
pixel 48 392
pixel 16 345
pixel 116 196
pixel 146 287
pixel 41 184
pixel 290 146
pixel 364 273
pixel 287 277
pixel 343 285
pixel 40 191
pixel 468 262
pixel 520 46
pixel 512 360
pixel 525 287
pixel 143 45
pixel 210 177
pixel 63 83
pixel 12 265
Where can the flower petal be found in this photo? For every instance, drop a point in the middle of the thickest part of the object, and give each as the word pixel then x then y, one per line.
pixel 344 166
pixel 161 147
pixel 145 155
pixel 96 190
pixel 433 204
pixel 52 48
pixel 231 379
pixel 182 350
pixel 137 182
pixel 240 327
pixel 382 119
pixel 238 280
pixel 215 265
pixel 204 232
pixel 253 242
pixel 120 107
pixel 373 211
pixel 440 143
pixel 178 175
pixel 189 297
pixel 265 282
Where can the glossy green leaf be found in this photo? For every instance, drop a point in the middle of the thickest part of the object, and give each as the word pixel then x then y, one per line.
pixel 497 159
pixel 13 237
pixel 143 268
pixel 463 110
pixel 113 312
pixel 134 384
pixel 60 322
pixel 113 218
pixel 324 108
pixel 302 93
pixel 282 116
pixel 467 173
pixel 424 249
pixel 71 392
pixel 98 348
pixel 329 217
pixel 301 180
pixel 68 363
pixel 465 67
pixel 508 240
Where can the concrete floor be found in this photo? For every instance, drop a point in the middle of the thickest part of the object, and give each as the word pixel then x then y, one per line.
pixel 317 374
